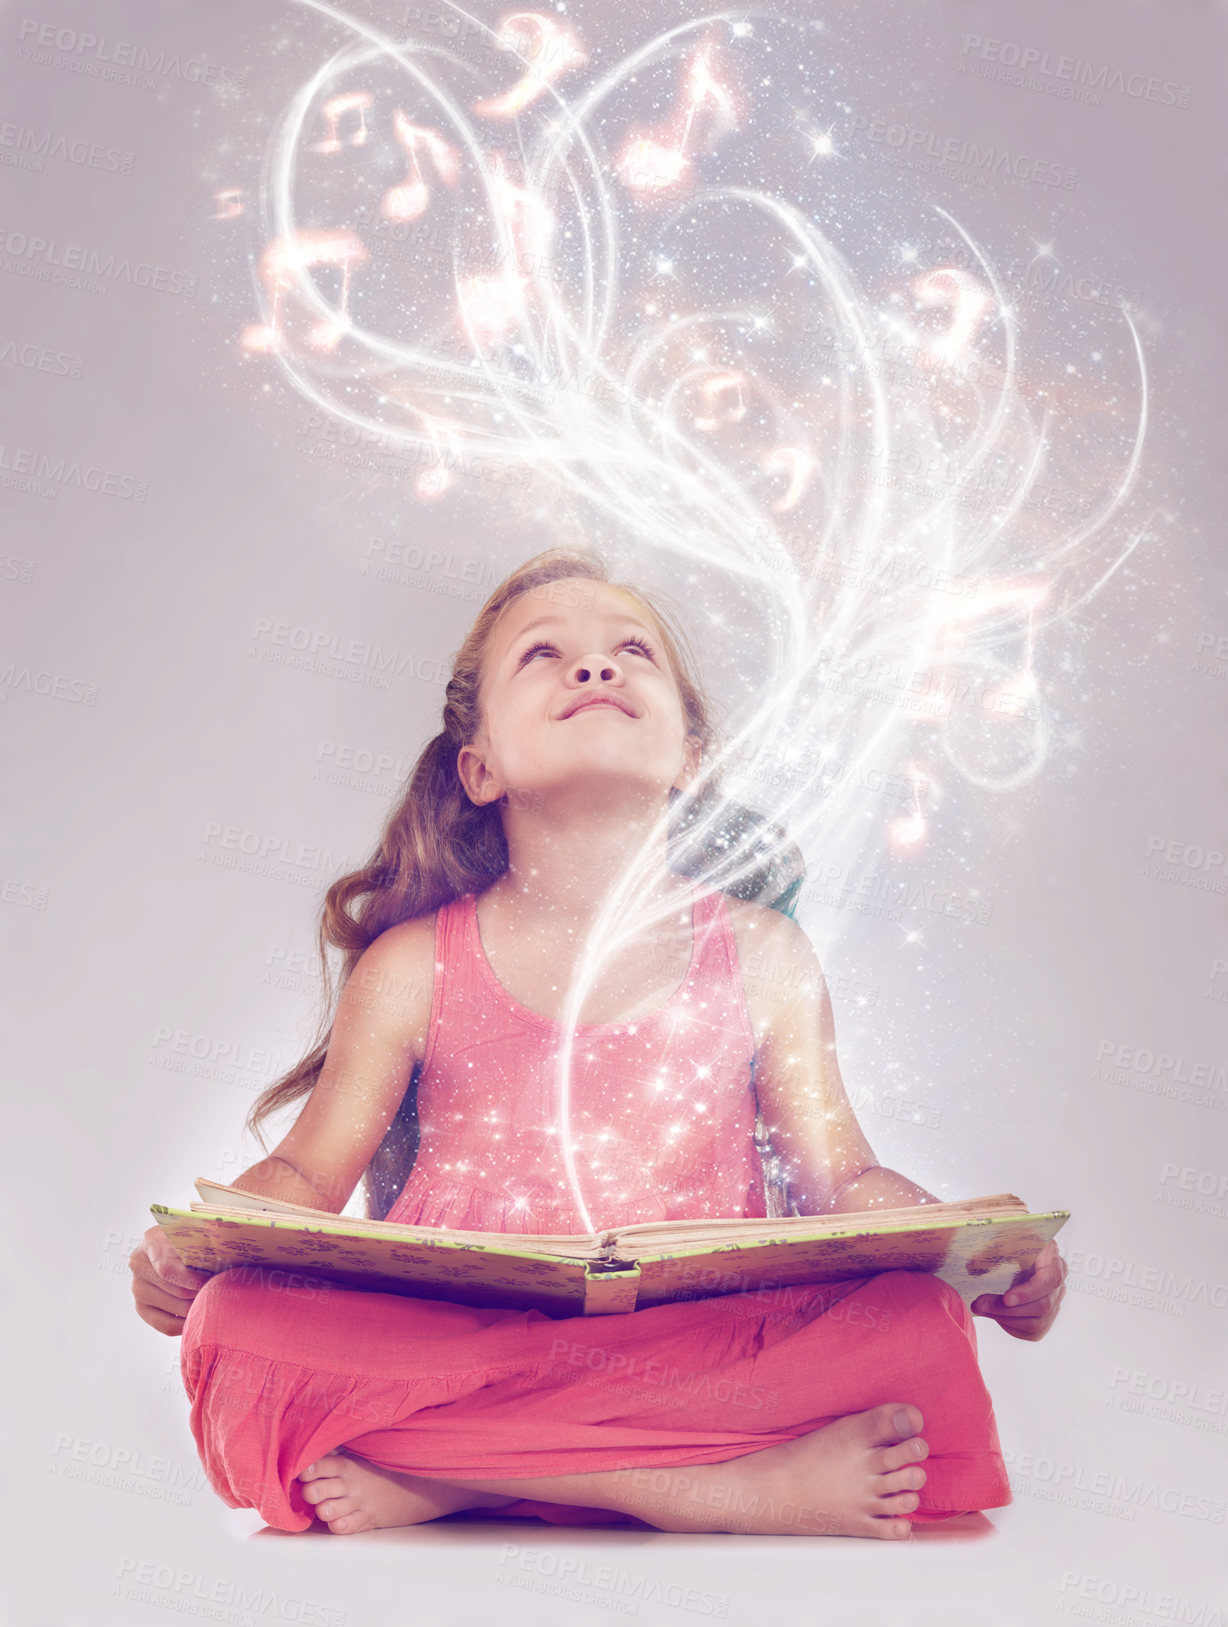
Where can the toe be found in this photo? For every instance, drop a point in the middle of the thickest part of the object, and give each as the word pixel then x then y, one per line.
pixel 901 1480
pixel 893 1530
pixel 349 1525
pixel 903 1502
pixel 893 1422
pixel 335 1508
pixel 315 1491
pixel 322 1468
pixel 899 1457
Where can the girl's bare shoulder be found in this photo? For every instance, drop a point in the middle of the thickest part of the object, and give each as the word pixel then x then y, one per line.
pixel 765 934
pixel 409 946
pixel 777 960
pixel 395 976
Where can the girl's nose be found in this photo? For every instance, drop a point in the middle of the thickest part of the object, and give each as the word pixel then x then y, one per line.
pixel 600 667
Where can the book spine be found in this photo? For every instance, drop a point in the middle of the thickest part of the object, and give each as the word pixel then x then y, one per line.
pixel 610 1293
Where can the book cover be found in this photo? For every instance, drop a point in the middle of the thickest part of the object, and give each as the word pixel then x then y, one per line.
pixel 978 1246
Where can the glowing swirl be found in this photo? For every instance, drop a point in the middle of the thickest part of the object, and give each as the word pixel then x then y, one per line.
pixel 688 365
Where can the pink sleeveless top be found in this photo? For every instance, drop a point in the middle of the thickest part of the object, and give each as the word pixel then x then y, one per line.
pixel 662 1108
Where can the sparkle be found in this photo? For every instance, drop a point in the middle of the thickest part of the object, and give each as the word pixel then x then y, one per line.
pixel 825 410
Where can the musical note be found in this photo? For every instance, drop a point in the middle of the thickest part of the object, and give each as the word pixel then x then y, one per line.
pixel 908 831
pixel 970 301
pixel 353 101
pixel 551 48
pixel 720 385
pixel 489 305
pixel 798 465
pixel 651 164
pixel 1012 695
pixel 287 258
pixel 229 200
pixel 409 200
pixel 431 482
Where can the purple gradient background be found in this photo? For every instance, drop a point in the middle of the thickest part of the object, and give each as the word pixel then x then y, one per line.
pixel 996 1028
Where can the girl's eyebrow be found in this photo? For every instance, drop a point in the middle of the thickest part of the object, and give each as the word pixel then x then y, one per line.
pixel 550 621
pixel 542 621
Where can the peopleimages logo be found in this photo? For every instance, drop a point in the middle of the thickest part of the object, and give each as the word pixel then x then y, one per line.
pixel 30 148
pixel 1118 1492
pixel 193 1593
pixel 75 266
pixel 1168 1283
pixel 913 144
pixel 1130 1596
pixel 1073 71
pixel 356 659
pixel 25 468
pixel 41 359
pixel 92 51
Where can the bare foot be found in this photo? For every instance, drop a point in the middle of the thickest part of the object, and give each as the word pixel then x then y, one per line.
pixel 856 1477
pixel 351 1495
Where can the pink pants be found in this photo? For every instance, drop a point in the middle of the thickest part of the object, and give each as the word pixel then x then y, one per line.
pixel 281 1370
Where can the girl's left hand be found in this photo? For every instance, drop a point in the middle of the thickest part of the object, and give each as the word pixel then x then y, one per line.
pixel 1027 1309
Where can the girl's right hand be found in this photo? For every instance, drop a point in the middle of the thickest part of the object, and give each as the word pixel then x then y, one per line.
pixel 162 1285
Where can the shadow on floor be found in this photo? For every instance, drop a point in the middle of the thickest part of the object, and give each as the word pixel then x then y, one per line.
pixel 472 1528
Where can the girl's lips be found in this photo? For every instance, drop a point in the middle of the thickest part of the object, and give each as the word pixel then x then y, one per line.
pixel 588 705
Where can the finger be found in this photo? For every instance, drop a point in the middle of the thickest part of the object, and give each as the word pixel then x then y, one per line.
pixel 1031 1307
pixel 170 1325
pixel 172 1269
pixel 169 1271
pixel 1037 1288
pixel 1026 1315
pixel 1048 1260
pixel 157 1244
pixel 147 1308
pixel 1029 1323
pixel 154 1297
pixel 1045 1275
pixel 191 1286
pixel 145 1273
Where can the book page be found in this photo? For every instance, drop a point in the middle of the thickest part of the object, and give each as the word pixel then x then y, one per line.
pixel 620 1243
pixel 233 1197
pixel 628 1242
pixel 974 1254
pixel 226 1200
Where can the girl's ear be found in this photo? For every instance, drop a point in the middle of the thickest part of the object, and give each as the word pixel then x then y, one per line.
pixel 480 784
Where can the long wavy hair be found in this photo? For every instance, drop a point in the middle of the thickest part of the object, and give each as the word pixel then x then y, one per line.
pixel 437 845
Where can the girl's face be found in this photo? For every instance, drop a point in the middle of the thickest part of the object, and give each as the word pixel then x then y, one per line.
pixel 577 692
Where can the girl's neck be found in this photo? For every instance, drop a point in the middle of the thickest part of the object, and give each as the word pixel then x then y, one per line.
pixel 560 874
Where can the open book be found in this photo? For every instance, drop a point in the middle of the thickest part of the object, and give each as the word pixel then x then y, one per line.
pixel 979 1246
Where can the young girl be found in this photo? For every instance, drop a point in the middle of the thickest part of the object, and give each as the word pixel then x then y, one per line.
pixel 572 726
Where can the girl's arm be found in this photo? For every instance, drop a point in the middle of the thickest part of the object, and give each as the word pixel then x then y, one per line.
pixel 829 1165
pixel 828 1162
pixel 378 1034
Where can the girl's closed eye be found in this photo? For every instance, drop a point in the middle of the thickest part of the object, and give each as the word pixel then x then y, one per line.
pixel 637 643
pixel 640 645
pixel 534 648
